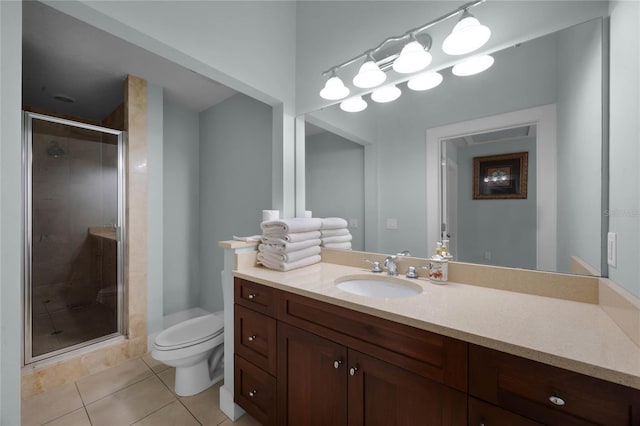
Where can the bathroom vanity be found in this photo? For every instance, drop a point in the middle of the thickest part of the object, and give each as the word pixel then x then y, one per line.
pixel 311 354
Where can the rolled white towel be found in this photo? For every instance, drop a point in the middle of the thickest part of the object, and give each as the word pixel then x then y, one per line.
pixel 288 226
pixel 334 232
pixel 286 247
pixel 287 266
pixel 334 223
pixel 337 239
pixel 340 246
pixel 291 256
pixel 295 237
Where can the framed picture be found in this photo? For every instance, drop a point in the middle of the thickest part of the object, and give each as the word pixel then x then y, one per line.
pixel 500 176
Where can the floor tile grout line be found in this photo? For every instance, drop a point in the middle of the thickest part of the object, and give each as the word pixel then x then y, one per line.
pixel 119 389
pixel 189 411
pixel 153 412
pixel 68 412
pixel 84 406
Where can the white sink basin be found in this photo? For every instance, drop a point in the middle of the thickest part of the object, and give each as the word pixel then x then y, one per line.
pixel 384 286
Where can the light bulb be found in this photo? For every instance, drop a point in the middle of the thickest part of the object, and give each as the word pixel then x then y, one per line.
pixel 334 89
pixel 369 75
pixel 473 65
pixel 386 94
pixel 413 58
pixel 467 36
pixel 355 104
pixel 425 81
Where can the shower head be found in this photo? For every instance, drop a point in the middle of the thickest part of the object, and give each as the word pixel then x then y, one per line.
pixel 55 150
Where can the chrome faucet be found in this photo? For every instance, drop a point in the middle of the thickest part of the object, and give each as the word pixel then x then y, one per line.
pixel 390 265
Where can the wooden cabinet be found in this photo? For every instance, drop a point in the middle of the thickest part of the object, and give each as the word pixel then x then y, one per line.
pixel 547 394
pixel 299 361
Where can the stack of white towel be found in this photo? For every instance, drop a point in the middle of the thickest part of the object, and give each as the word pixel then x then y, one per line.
pixel 335 234
pixel 293 243
pixel 290 243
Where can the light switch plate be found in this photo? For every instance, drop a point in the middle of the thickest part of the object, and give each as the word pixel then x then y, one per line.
pixel 612 249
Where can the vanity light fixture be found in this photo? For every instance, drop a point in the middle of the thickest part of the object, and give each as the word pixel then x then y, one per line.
pixel 334 89
pixel 425 81
pixel 467 36
pixel 370 75
pixel 386 94
pixel 413 57
pixel 355 104
pixel 406 54
pixel 473 65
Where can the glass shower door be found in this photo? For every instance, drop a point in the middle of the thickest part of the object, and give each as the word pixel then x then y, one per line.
pixel 73 250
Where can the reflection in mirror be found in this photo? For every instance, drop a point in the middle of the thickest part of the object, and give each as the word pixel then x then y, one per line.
pixel 500 230
pixel 335 179
pixel 559 226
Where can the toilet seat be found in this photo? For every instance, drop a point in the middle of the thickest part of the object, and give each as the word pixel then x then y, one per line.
pixel 189 333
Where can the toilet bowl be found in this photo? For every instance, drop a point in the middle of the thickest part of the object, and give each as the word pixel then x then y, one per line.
pixel 195 348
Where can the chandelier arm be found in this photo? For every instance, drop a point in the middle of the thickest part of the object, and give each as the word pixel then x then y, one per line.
pixel 414 31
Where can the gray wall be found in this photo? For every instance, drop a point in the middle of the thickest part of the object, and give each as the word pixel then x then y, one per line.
pixel 10 210
pixel 181 209
pixel 579 109
pixel 624 184
pixel 335 180
pixel 235 182
pixel 504 228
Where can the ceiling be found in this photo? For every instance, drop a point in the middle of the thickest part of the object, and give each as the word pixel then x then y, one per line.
pixel 63 56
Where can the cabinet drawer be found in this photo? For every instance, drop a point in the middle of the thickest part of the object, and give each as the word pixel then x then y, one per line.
pixel 428 354
pixel 255 338
pixel 255 391
pixel 255 296
pixel 483 414
pixel 549 394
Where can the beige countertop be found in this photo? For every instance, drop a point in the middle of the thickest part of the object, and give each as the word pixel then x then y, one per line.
pixel 577 336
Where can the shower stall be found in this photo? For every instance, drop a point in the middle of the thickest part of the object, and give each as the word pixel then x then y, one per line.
pixel 74 227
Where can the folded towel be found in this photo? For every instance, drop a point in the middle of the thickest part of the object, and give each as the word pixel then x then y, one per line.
pixel 295 237
pixel 334 223
pixel 290 256
pixel 287 266
pixel 247 239
pixel 334 232
pixel 287 226
pixel 286 247
pixel 341 246
pixel 337 239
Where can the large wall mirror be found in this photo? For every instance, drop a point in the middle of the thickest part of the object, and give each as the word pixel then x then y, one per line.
pixel 403 172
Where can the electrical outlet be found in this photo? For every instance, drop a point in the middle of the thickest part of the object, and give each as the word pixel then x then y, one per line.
pixel 353 223
pixel 612 249
pixel 392 223
pixel 487 255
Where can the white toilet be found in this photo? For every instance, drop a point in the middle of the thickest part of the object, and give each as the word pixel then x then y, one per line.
pixel 195 348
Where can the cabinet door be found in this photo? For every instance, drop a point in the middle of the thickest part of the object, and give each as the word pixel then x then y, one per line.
pixel 383 394
pixel 312 379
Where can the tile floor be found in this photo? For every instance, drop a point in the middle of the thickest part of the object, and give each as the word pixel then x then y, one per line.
pixel 138 392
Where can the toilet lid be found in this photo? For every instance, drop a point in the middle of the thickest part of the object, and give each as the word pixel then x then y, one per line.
pixel 191 332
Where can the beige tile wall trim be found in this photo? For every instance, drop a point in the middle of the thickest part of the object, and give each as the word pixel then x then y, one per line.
pixel 550 284
pixel 246 260
pixel 48 375
pixel 622 306
pixel 579 266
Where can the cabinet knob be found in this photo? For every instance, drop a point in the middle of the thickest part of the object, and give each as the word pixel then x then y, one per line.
pixel 337 364
pixel 252 296
pixel 556 400
pixel 251 338
pixel 253 393
pixel 353 371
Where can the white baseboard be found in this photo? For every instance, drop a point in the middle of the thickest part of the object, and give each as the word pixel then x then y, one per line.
pixel 227 406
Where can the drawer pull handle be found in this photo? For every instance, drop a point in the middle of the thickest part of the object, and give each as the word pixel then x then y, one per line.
pixel 556 400
pixel 251 338
pixel 252 296
pixel 353 371
pixel 337 364
pixel 253 393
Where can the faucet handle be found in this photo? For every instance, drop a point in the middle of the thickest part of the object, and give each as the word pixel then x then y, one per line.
pixel 375 265
pixel 404 253
pixel 411 272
